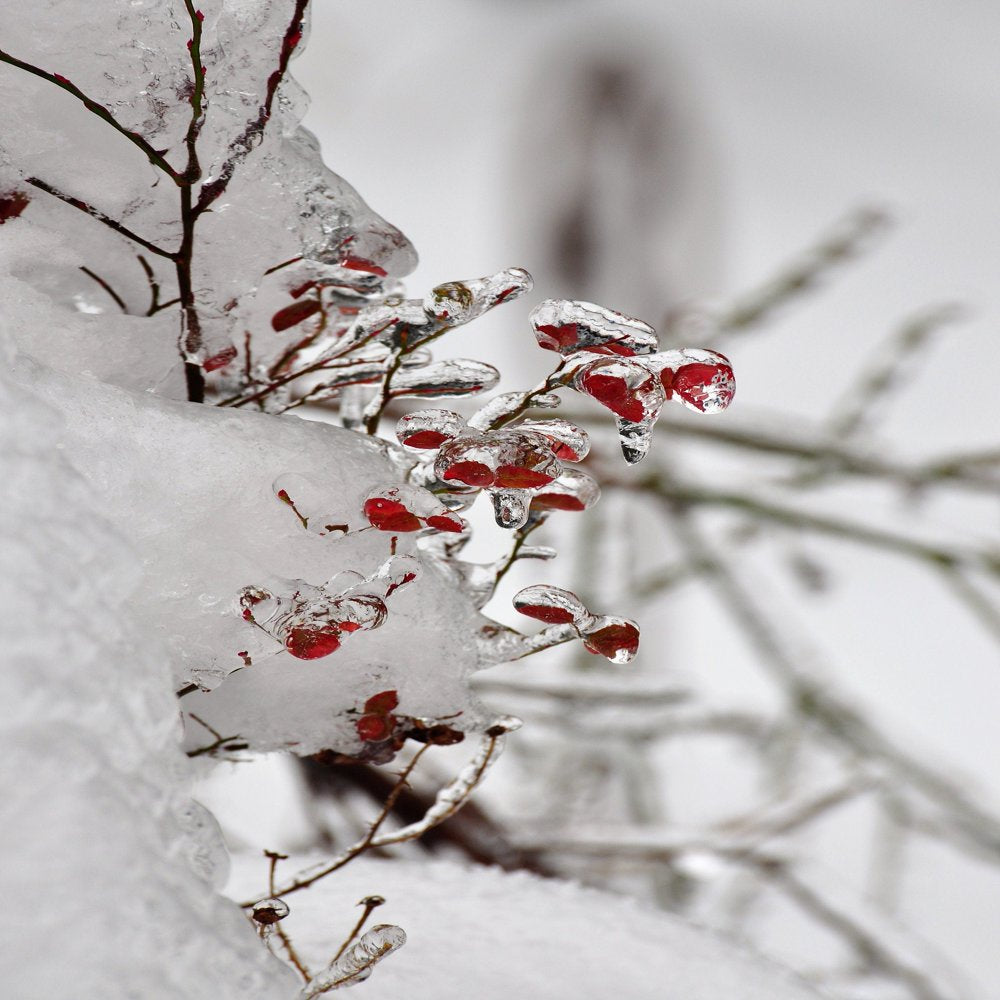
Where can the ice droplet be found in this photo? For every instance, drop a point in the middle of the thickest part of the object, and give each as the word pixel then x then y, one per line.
pixel 568 326
pixel 510 507
pixel 551 605
pixel 635 439
pixel 568 442
pixel 270 911
pixel 429 428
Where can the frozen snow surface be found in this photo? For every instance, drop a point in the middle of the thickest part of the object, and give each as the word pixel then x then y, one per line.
pixel 474 931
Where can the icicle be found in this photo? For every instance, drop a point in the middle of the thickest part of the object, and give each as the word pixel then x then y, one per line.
pixel 567 326
pixel 510 507
pixel 635 439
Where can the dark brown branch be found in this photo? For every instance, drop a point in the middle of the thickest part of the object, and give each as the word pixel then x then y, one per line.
pixel 472 831
pixel 96 213
pixel 111 292
pixel 94 107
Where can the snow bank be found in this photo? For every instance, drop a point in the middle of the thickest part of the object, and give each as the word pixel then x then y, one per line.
pixel 109 867
pixel 481 932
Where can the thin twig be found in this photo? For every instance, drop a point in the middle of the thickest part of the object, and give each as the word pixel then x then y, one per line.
pixel 96 213
pixel 273 858
pixel 104 284
pixel 96 108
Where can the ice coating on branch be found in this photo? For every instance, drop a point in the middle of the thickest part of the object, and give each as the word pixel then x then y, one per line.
pixel 409 508
pixel 569 326
pixel 403 324
pixel 266 196
pixel 616 639
pixel 452 377
pixel 356 964
pixel 512 463
pixel 429 428
pixel 507 404
pixel 458 302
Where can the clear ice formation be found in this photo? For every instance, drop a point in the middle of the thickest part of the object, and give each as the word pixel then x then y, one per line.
pixel 357 963
pixel 613 358
pixel 268 197
pixel 513 464
pixel 616 639
pixel 312 622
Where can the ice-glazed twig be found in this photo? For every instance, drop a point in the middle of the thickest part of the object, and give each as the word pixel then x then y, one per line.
pixel 973 827
pixel 520 538
pixel 356 964
pixel 97 109
pixel 854 412
pixel 273 857
pixel 366 842
pixel 96 213
pixel 449 800
pixel 241 146
pixel 844 242
pixel 369 903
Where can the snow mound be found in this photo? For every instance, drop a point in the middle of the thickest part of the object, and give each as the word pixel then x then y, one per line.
pixel 193 489
pixel 474 931
pixel 111 867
